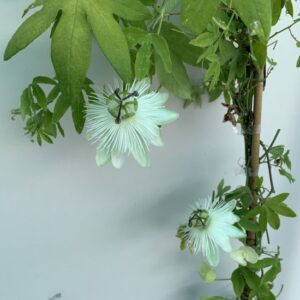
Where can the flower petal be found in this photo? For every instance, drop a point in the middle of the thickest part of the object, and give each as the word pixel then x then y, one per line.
pixel 165 116
pixel 162 98
pixel 117 160
pixel 223 241
pixel 102 157
pixel 234 232
pixel 142 157
pixel 157 141
pixel 212 252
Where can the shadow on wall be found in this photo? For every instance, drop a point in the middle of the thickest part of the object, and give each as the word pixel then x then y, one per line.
pixel 56 296
pixel 159 220
pixel 163 213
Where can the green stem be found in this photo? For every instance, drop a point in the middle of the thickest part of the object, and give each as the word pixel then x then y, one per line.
pixel 271 145
pixel 285 28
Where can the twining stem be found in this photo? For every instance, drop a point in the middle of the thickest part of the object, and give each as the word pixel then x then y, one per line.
pixel 271 145
pixel 285 28
pixel 269 168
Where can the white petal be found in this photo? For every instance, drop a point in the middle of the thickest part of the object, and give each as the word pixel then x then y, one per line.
pixel 142 157
pixel 230 218
pixel 226 207
pixel 223 241
pixel 117 160
pixel 165 116
pixel 163 98
pixel 157 141
pixel 102 157
pixel 234 232
pixel 211 252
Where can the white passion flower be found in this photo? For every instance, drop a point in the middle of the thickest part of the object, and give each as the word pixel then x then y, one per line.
pixel 210 226
pixel 126 120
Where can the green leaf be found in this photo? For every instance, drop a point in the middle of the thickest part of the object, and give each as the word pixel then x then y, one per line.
pixel 71 41
pixel 31 29
pixel 143 61
pixel 33 5
pixel 263 263
pixel 263 219
pixel 273 218
pixel 60 108
pixel 132 10
pixel 213 74
pixel 253 212
pixel 242 193
pixel 213 298
pixel 249 225
pixel 61 130
pixel 148 2
pixel 44 80
pixel 271 274
pixel 162 49
pixel 252 280
pixel 136 36
pixel 286 159
pixel 171 5
pixel 273 201
pixel 286 174
pixel 276 11
pixel 298 62
pixel 238 282
pixel 110 38
pixel 276 151
pixel 259 51
pixel 46 138
pixel 53 94
pixel 39 94
pixel 289 7
pixel 222 189
pixel 204 39
pixel 266 294
pixel 284 210
pixel 253 294
pixel 179 43
pixel 26 100
pixel 71 51
pixel 176 82
pixel 196 14
pixel 257 15
pixel 227 51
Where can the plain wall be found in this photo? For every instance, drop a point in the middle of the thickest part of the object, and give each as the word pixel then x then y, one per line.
pixel 100 233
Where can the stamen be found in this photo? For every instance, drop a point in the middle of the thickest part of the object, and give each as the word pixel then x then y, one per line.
pixel 117 93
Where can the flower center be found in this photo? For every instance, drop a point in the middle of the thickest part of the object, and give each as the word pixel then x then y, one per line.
pixel 199 218
pixel 122 105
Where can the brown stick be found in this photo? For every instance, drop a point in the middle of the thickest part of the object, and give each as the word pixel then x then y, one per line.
pixel 255 147
pixel 254 159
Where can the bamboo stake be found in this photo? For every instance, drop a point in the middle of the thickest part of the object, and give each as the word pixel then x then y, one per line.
pixel 254 159
pixel 255 147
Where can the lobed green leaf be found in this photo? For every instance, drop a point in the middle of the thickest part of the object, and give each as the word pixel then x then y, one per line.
pixel 196 14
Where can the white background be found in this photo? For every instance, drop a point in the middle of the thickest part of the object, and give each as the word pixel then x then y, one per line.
pixel 67 226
